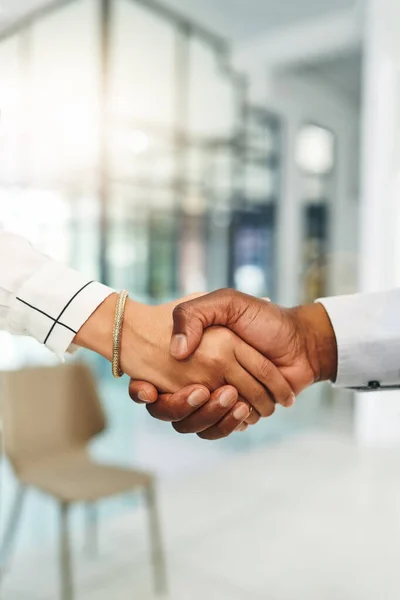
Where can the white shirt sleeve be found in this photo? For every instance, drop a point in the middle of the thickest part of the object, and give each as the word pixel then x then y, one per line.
pixel 42 298
pixel 367 328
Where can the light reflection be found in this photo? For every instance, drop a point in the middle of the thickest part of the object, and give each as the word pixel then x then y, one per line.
pixel 138 142
pixel 250 279
pixel 315 150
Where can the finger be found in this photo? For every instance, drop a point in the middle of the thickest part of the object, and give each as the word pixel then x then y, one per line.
pixel 220 403
pixel 266 373
pixel 174 407
pixel 252 391
pixel 242 427
pixel 233 420
pixel 192 317
pixel 142 392
pixel 254 415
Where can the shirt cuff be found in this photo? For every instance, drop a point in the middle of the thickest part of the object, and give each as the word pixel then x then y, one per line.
pixel 367 330
pixel 53 304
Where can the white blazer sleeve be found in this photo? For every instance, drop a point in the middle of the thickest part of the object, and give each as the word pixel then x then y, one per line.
pixel 367 328
pixel 42 298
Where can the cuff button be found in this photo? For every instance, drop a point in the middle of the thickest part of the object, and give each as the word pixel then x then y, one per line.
pixel 374 385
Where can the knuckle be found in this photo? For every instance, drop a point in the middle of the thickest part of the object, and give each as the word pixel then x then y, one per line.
pixel 269 409
pixel 216 433
pixel 213 356
pixel 183 309
pixel 258 395
pixel 218 360
pixel 217 345
pixel 223 430
pixel 183 427
pixel 225 336
pixel 204 435
pixel 228 292
pixel 282 394
pixel 266 368
pixel 222 345
pixel 220 430
pixel 175 413
pixel 154 412
pixel 162 413
pixel 262 401
pixel 181 314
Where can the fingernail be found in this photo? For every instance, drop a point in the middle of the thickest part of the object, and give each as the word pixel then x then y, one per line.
pixel 291 400
pixel 197 398
pixel 241 412
pixel 143 397
pixel 227 398
pixel 179 344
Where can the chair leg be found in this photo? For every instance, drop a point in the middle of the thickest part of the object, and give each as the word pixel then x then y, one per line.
pixel 91 529
pixel 11 529
pixel 65 554
pixel 157 551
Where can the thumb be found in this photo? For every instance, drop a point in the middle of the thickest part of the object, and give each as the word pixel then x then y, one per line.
pixel 142 392
pixel 188 328
pixel 192 317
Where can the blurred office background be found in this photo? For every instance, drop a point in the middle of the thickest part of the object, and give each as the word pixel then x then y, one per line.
pixel 174 146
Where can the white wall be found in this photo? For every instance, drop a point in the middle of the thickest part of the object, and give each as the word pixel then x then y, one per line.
pixel 378 414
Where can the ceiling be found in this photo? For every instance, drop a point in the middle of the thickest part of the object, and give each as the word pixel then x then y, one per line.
pixel 235 19
pixel 241 19
pixel 11 10
pixel 343 72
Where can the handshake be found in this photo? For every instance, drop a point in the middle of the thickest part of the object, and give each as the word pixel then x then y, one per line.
pixel 218 362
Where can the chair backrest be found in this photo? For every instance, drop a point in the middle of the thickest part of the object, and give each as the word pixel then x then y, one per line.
pixel 48 411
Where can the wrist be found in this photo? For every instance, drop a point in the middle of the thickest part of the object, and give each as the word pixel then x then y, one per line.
pixel 96 333
pixel 136 325
pixel 315 329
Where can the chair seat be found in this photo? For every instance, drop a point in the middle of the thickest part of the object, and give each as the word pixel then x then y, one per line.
pixel 75 477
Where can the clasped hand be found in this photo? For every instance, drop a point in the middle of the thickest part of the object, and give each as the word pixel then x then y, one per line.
pixel 212 380
pixel 224 384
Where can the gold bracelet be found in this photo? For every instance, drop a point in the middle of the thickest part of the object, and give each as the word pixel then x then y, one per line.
pixel 117 334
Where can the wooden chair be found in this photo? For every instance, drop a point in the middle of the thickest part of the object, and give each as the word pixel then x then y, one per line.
pixel 49 415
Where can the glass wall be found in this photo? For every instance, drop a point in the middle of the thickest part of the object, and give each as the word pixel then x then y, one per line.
pixel 254 223
pixel 129 147
pixel 315 155
pixel 127 150
pixel 50 133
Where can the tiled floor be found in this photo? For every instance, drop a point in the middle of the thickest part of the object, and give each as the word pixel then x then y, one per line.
pixel 311 518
